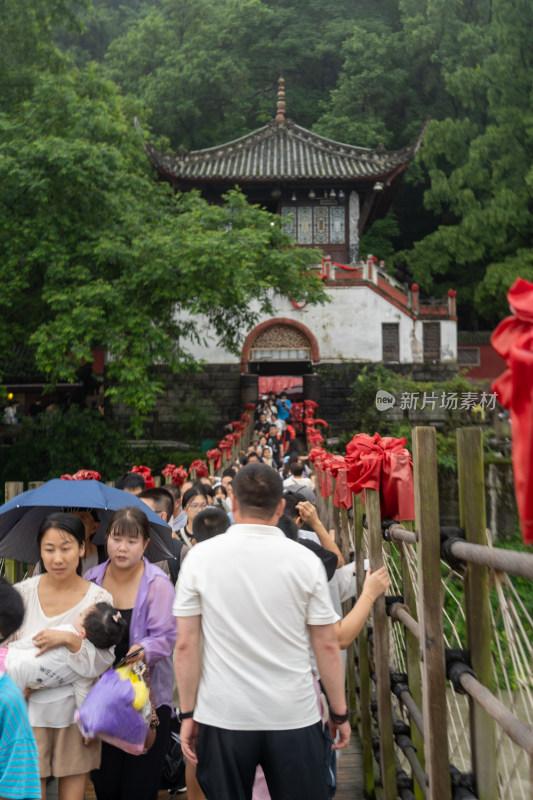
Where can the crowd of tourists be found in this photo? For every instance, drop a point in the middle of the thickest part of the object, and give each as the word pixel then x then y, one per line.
pixel 241 631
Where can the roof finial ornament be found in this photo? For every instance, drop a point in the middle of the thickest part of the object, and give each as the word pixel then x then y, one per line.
pixel 280 114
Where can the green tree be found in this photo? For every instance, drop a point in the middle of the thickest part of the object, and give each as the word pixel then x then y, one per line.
pixel 96 253
pixel 480 169
pixel 207 70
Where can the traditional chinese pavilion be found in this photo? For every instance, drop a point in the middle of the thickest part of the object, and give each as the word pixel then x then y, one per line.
pixel 329 193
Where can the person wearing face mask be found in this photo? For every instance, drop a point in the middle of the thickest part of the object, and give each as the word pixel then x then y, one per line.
pixel 194 500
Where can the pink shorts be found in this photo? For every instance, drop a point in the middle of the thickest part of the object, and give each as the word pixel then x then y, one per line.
pixel 3 656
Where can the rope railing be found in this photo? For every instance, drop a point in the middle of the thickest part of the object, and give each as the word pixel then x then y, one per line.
pixel 453 546
pixel 454 611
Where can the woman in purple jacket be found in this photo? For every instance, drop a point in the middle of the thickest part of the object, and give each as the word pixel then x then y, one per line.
pixel 144 595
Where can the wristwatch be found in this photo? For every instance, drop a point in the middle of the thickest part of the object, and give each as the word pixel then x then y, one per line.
pixel 185 715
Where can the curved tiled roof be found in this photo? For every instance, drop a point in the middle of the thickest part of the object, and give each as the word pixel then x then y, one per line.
pixel 282 150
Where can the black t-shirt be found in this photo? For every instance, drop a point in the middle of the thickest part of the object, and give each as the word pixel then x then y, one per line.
pixel 328 558
pixel 175 562
pixel 124 645
pixel 275 444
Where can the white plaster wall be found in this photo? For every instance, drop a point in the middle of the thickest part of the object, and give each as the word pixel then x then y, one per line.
pixel 448 340
pixel 347 329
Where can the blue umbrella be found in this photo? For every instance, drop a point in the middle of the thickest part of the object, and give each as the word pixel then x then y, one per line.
pixel 21 516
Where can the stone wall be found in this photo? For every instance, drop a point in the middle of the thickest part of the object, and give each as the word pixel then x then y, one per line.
pixel 336 381
pixel 216 391
pixel 213 392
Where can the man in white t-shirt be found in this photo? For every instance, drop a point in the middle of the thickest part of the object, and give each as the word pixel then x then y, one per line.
pixel 255 600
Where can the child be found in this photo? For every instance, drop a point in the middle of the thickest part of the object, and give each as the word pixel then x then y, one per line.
pixel 19 763
pixel 32 669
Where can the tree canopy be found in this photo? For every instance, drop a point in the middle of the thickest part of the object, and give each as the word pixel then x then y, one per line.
pixel 97 253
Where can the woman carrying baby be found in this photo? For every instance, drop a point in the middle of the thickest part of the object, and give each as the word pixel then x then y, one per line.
pixel 56 598
pixel 32 668
pixel 144 595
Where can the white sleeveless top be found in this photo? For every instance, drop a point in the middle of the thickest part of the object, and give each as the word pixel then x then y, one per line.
pixel 54 708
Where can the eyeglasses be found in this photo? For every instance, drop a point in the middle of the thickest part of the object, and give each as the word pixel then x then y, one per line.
pixel 196 506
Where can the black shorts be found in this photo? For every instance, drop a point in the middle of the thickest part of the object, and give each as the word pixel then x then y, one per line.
pixel 293 762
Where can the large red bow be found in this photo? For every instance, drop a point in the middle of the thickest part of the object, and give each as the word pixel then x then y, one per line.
pixel 310 407
pixel 146 472
pixel 297 412
pixel 82 475
pixel 215 456
pixel 200 468
pixel 382 464
pixel 343 495
pixel 513 340
pixel 177 474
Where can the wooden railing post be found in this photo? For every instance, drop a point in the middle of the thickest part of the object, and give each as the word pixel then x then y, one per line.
pixel 412 650
pixel 13 569
pixel 329 512
pixel 431 627
pixel 320 501
pixel 381 653
pixel 351 683
pixel 477 606
pixel 364 666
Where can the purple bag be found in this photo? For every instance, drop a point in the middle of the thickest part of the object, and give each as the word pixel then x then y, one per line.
pixel 108 713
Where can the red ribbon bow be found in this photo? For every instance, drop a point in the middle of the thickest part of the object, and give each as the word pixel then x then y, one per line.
pixel 82 475
pixel 343 495
pixel 310 407
pixel 146 472
pixel 297 412
pixel 215 456
pixel 200 468
pixel 513 340
pixel 382 464
pixel 177 474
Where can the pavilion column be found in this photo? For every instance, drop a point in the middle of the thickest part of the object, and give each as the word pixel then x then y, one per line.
pixel 249 388
pixel 311 387
pixel 353 228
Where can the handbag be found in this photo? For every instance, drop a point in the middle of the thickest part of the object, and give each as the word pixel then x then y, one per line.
pixel 119 709
pixel 144 670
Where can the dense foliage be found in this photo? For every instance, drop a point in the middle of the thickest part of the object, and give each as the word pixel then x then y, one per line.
pixel 54 444
pixel 96 253
pixel 363 415
pixel 366 72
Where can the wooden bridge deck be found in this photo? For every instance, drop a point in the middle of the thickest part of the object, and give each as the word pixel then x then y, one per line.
pixel 349 776
pixel 350 771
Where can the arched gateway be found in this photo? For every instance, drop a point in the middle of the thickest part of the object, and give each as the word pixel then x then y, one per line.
pixel 282 353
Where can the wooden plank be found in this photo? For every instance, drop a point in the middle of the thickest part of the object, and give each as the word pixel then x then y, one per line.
pixel 412 650
pixel 381 652
pixel 351 681
pixel 12 569
pixel 471 478
pixel 364 666
pixel 431 627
